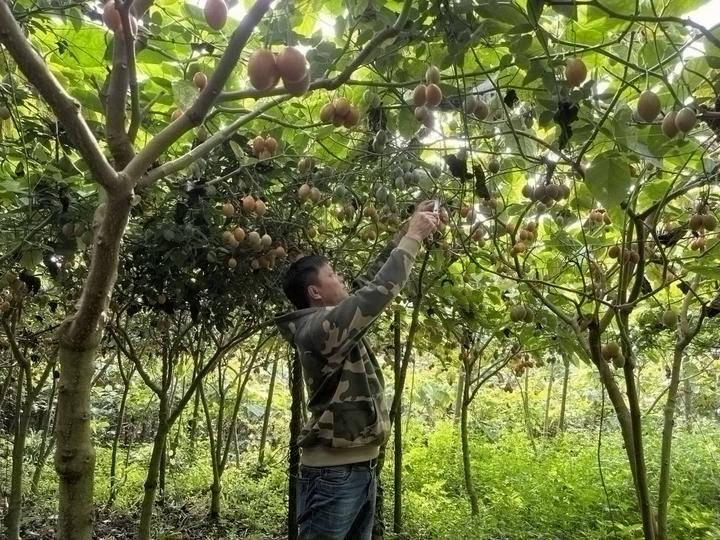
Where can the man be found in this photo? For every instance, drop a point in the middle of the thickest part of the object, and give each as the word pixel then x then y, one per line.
pixel 349 416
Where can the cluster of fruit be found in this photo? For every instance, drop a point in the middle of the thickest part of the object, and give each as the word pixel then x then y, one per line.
pixel 526 236
pixel 264 147
pixel 546 195
pixel 266 68
pixel 611 352
pixel 523 314
pixel 426 96
pixel 340 112
pixel 12 297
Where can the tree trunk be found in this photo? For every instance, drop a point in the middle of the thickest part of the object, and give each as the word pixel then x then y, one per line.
pixel 153 474
pixel 628 426
pixel 194 421
pixel 37 475
pixel 116 441
pixel 379 523
pixel 563 400
pixel 160 495
pixel 216 486
pixel 79 339
pixel 47 443
pixel 546 423
pixel 668 425
pixel 398 466
pixel 296 386
pixel 642 485
pixel 459 396
pixel 23 414
pixel 465 440
pixel 266 418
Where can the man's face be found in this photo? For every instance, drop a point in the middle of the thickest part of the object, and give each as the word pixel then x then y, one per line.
pixel 329 290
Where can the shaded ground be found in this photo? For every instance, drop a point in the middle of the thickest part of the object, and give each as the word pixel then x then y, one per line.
pixel 171 523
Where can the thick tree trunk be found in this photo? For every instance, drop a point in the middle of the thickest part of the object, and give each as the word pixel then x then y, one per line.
pixel 266 418
pixel 79 339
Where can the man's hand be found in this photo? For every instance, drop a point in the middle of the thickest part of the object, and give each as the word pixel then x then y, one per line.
pixel 422 224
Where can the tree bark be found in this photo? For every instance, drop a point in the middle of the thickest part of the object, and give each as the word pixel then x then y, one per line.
pixel 546 423
pixel 398 466
pixel 563 400
pixel 118 433
pixel 79 339
pixel 465 440
pixel 45 446
pixel 216 486
pixel 268 410
pixel 151 482
pixel 23 413
pixel 642 485
pixel 296 385
pixel 459 397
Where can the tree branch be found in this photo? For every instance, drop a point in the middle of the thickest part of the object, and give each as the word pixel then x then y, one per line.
pixel 130 353
pixel 195 115
pixel 344 76
pixel 62 104
pixel 202 149
pixel 117 139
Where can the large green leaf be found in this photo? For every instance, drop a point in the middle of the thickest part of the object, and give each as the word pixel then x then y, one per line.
pixel 608 178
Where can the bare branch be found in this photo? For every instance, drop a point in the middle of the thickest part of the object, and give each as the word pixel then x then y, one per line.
pixel 202 149
pixel 62 104
pixel 117 139
pixel 197 112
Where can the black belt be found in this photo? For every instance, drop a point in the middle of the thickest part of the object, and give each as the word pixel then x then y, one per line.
pixel 371 463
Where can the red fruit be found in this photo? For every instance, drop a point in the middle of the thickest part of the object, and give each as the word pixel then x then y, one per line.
pixel 263 70
pixel 216 12
pixel 291 65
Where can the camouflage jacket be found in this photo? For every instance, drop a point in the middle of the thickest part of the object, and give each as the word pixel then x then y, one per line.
pixel 349 416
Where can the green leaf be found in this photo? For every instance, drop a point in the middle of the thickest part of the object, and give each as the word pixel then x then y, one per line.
pixel 608 178
pixel 682 7
pixel 711 272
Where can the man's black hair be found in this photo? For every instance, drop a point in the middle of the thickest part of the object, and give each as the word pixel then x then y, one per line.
pixel 301 274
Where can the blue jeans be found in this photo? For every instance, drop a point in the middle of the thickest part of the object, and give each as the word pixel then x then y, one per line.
pixel 336 503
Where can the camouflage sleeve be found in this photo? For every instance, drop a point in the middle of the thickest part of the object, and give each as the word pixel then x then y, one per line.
pixel 366 277
pixel 335 330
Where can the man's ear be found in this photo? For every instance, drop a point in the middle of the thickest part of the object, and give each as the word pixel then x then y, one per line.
pixel 313 293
